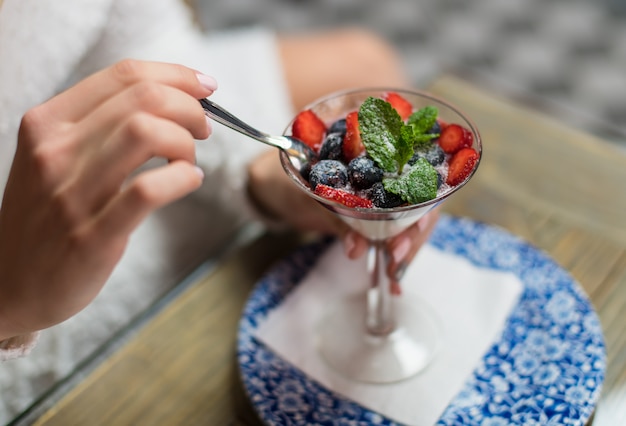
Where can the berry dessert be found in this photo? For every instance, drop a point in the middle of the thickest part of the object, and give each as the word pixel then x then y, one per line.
pixel 386 154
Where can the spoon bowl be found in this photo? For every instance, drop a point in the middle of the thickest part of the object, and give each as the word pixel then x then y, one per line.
pixel 299 153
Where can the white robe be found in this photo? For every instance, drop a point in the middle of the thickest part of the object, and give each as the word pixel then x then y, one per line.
pixel 45 46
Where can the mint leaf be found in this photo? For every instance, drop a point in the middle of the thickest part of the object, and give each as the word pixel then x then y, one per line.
pixel 380 126
pixel 404 147
pixel 423 119
pixel 417 186
pixel 419 123
pixel 424 140
pixel 416 139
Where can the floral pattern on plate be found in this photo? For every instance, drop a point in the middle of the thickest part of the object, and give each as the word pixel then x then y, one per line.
pixel 547 368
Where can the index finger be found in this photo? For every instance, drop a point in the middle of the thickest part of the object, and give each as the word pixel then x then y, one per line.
pixel 76 102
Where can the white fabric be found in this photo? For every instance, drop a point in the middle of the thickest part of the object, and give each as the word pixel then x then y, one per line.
pixel 45 45
pixel 471 303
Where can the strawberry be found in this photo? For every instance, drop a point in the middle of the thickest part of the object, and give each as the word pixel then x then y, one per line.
pixel 309 128
pixel 461 165
pixel 454 137
pixel 352 145
pixel 400 104
pixel 343 197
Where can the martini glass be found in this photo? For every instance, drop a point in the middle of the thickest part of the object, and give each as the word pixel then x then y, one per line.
pixel 376 336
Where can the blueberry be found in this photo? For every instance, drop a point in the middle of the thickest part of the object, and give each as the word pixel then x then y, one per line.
pixel 433 154
pixel 382 198
pixel 328 172
pixel 338 126
pixel 332 147
pixel 439 180
pixel 436 129
pixel 363 173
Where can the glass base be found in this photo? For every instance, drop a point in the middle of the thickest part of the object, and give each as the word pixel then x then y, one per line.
pixel 346 345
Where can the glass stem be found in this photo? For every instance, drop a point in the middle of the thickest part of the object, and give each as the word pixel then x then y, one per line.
pixel 379 319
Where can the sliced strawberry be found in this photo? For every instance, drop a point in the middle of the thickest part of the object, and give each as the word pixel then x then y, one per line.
pixel 352 145
pixel 343 197
pixel 442 124
pixel 461 165
pixel 401 105
pixel 309 128
pixel 454 137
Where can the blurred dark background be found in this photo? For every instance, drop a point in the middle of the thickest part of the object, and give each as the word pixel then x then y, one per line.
pixel 568 56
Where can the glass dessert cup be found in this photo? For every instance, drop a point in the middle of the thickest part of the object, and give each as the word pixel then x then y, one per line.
pixel 378 337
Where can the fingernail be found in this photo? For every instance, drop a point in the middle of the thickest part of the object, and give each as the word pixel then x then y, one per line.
pixel 200 172
pixel 348 243
pixel 400 270
pixel 422 224
pixel 401 249
pixel 207 82
pixel 209 125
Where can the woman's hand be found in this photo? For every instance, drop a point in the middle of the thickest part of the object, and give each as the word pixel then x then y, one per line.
pixel 405 246
pixel 72 199
pixel 276 195
pixel 402 248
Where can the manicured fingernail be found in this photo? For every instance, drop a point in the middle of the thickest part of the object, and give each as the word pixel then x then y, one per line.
pixel 209 125
pixel 400 270
pixel 401 249
pixel 422 224
pixel 348 243
pixel 200 172
pixel 207 82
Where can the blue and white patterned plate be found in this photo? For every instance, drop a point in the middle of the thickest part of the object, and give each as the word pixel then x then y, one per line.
pixel 547 368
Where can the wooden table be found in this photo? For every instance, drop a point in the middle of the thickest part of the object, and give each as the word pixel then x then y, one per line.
pixel 560 189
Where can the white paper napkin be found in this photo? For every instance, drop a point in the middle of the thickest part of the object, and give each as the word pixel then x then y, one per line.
pixel 472 303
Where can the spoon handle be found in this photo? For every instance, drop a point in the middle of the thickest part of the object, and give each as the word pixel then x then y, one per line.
pixel 219 114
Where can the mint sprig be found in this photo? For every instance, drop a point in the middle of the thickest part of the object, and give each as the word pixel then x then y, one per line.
pixel 388 140
pixel 417 186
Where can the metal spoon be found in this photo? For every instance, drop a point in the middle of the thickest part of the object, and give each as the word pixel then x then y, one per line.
pixel 299 153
